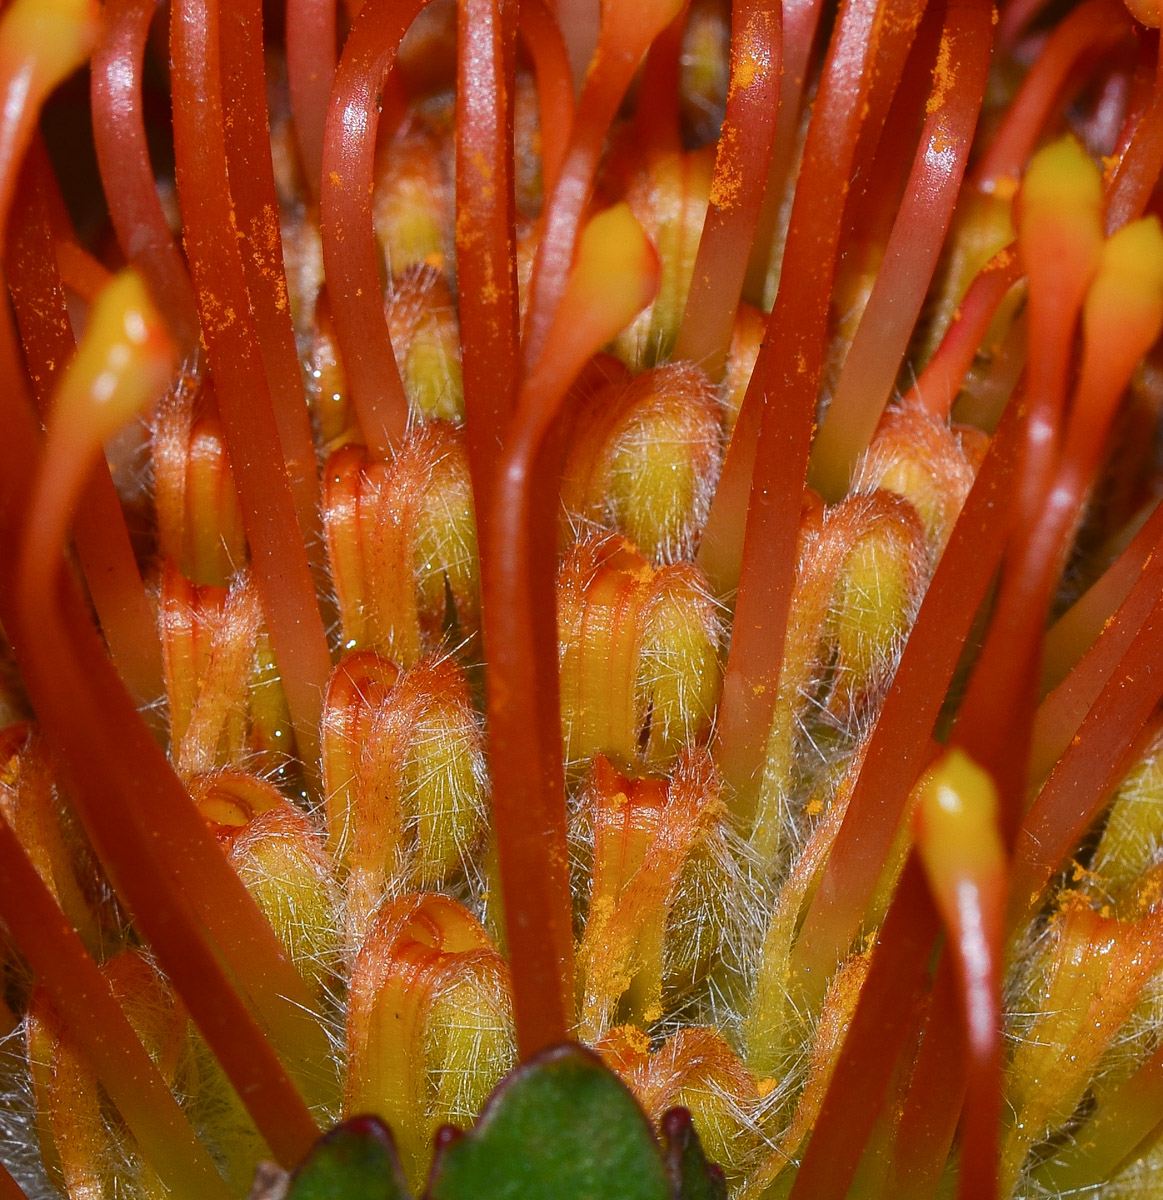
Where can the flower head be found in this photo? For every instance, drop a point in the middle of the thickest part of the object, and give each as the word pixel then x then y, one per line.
pixel 642 528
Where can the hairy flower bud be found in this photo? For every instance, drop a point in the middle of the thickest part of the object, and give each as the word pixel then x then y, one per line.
pixel 639 654
pixel 1129 847
pixel 226 702
pixel 501 223
pixel 647 835
pixel 863 566
pixel 86 1147
pixel 803 1081
pixel 1086 980
pixel 30 803
pixel 917 456
pixel 429 1028
pixel 426 340
pixel 669 197
pixel 645 458
pixel 413 204
pixel 199 518
pixel 401 539
pixel 279 855
pixel 698 1070
pixel 403 771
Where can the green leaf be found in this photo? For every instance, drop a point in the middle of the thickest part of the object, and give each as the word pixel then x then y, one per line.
pixel 691 1176
pixel 561 1127
pixel 355 1161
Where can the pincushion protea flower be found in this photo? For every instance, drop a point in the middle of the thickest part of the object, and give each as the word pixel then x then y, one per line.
pixel 668 563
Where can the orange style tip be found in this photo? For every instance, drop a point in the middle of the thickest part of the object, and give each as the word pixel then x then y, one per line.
pixel 617 269
pixel 56 35
pixel 124 362
pixel 1059 212
pixel 1146 12
pixel 1061 177
pixel 957 822
pixel 1127 294
pixel 637 25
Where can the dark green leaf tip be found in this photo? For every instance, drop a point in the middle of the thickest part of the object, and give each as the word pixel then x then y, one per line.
pixel 355 1161
pixel 561 1127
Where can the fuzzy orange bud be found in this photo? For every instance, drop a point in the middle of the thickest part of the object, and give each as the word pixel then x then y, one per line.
pixel 917 456
pixel 225 698
pixel 1129 847
pixel 698 1070
pixel 47 830
pixel 861 573
pixel 1086 981
pixel 86 1147
pixel 808 1080
pixel 413 204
